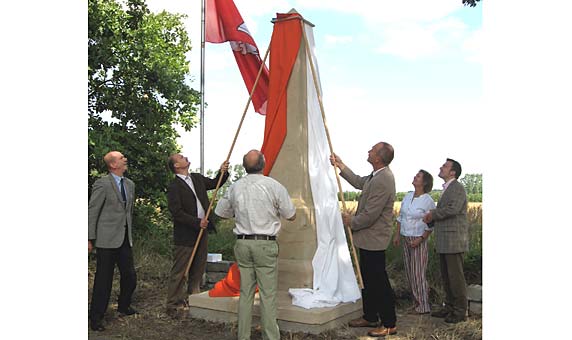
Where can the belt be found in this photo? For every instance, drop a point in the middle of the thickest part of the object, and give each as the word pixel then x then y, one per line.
pixel 256 237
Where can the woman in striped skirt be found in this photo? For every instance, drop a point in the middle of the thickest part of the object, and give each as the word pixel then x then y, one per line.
pixel 415 233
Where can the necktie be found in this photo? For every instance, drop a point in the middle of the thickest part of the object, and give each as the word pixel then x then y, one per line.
pixel 123 195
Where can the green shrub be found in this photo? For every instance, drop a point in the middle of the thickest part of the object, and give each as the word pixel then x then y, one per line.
pixel 152 228
pixel 223 241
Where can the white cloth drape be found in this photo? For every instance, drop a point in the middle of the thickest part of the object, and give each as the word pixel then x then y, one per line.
pixel 334 278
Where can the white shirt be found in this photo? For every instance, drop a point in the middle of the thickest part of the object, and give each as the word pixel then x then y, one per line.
pixel 189 181
pixel 411 214
pixel 376 171
pixel 256 202
pixel 446 184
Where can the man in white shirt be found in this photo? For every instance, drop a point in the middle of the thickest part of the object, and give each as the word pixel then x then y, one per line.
pixel 257 202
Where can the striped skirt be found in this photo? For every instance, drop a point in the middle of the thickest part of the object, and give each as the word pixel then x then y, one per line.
pixel 415 261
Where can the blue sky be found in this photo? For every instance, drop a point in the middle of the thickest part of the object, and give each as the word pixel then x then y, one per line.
pixel 520 134
pixel 408 73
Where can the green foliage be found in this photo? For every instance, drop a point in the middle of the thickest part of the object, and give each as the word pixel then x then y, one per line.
pixel 475 197
pixel 399 196
pixel 436 195
pixel 473 183
pixel 223 241
pixel 153 227
pixel 137 91
pixel 350 196
pixel 235 172
pixel 473 258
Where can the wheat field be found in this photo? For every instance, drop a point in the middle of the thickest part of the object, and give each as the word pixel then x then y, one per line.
pixel 351 206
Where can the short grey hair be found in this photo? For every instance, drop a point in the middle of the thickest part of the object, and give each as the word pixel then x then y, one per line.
pixel 253 167
pixel 385 153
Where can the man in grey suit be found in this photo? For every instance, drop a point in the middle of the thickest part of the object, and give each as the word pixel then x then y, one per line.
pixel 371 229
pixel 110 214
pixel 451 241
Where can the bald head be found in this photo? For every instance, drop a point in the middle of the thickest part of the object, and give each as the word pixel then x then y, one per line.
pixel 110 157
pixel 253 162
pixel 116 162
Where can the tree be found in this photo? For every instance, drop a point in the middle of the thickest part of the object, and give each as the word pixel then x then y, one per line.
pixel 473 183
pixel 471 3
pixel 235 173
pixel 137 90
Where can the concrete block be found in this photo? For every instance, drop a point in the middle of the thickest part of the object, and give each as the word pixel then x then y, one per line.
pixel 290 318
pixel 214 277
pixel 475 293
pixel 221 266
pixel 475 307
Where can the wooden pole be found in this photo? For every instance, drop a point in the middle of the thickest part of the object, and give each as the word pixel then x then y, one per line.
pixel 227 158
pixel 348 230
pixel 202 88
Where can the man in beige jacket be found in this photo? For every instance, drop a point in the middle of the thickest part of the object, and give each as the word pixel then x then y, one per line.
pixel 371 228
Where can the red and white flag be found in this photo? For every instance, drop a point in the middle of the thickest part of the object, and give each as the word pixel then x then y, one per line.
pixel 224 23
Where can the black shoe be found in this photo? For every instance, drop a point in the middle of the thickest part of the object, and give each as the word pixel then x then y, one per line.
pixel 441 313
pixel 127 311
pixel 454 319
pixel 96 326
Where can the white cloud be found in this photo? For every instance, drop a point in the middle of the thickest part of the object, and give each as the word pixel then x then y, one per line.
pixel 338 39
pixel 473 46
pixel 263 8
pixel 387 11
pixel 414 40
pixel 408 41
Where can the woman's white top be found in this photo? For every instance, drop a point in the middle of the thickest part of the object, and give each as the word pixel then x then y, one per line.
pixel 411 214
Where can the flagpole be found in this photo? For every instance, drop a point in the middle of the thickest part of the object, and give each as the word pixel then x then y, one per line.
pixel 348 230
pixel 202 113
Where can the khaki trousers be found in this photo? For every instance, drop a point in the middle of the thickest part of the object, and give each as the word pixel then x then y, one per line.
pixel 257 261
pixel 177 293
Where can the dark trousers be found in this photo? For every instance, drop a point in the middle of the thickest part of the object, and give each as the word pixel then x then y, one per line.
pixel 176 292
pixel 454 283
pixel 106 260
pixel 377 295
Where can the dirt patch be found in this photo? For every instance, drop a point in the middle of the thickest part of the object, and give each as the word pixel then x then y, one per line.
pixel 152 323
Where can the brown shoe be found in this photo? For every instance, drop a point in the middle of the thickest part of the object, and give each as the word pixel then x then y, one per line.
pixel 361 322
pixel 382 331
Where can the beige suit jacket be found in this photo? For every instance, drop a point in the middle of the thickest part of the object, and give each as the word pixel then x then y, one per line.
pixel 451 225
pixel 107 216
pixel 372 224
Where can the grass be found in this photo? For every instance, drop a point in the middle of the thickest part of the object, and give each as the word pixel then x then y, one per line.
pixel 223 242
pixel 153 260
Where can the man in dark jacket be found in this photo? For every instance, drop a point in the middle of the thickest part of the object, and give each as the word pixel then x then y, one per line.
pixel 188 203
